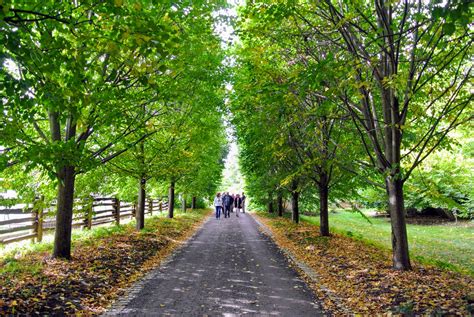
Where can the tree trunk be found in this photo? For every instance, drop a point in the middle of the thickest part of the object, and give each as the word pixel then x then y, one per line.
pixel 295 213
pixel 280 204
pixel 140 211
pixel 323 206
pixel 171 200
pixel 270 207
pixel 62 236
pixel 401 257
pixel 183 203
pixel 193 203
pixel 270 204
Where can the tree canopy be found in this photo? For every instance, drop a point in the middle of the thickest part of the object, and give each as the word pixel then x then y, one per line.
pixel 350 92
pixel 331 102
pixel 84 84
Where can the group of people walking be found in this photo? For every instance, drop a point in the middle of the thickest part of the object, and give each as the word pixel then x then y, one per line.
pixel 227 203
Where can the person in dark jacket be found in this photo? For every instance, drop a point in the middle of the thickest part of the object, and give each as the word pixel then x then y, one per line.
pixel 237 204
pixel 227 201
pixel 231 207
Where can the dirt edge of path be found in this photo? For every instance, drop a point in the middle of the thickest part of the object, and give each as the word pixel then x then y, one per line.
pixel 305 272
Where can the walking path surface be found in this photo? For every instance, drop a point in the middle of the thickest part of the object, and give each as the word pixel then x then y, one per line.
pixel 228 268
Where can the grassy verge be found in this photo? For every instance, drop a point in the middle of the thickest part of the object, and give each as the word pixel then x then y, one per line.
pixel 79 235
pixel 447 247
pixel 361 276
pixel 106 260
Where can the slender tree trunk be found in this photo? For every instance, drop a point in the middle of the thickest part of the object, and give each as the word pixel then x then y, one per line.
pixel 280 204
pixel 183 203
pixel 193 203
pixel 66 177
pixel 295 213
pixel 140 211
pixel 323 206
pixel 270 203
pixel 171 200
pixel 62 236
pixel 401 257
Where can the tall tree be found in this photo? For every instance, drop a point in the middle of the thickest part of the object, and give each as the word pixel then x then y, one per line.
pixel 406 86
pixel 309 124
pixel 74 80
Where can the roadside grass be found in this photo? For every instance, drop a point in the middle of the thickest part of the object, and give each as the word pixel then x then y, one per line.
pixel 84 236
pixel 447 247
pixel 107 259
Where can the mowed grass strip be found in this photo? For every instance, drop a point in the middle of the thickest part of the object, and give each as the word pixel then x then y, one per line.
pixel 446 246
pixel 105 262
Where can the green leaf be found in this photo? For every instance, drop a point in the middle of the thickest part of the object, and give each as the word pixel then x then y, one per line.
pixel 449 28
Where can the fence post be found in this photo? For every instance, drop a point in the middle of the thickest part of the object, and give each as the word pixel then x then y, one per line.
pixel 160 205
pixel 116 211
pixel 38 214
pixel 150 206
pixel 134 209
pixel 88 214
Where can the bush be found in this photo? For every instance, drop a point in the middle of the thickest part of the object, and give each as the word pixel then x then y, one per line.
pixel 445 181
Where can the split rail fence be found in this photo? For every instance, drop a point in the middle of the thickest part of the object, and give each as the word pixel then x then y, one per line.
pixel 32 222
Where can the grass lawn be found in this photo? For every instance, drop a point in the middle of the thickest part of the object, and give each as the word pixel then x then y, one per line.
pixel 78 235
pixel 446 246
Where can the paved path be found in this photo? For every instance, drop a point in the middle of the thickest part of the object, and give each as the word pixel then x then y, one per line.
pixel 228 268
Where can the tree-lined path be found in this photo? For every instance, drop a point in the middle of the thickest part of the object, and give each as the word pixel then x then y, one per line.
pixel 229 267
pixel 333 113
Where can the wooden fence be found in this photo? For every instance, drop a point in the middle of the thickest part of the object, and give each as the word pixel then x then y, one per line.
pixel 32 222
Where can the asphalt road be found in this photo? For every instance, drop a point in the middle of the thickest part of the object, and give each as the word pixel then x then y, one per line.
pixel 227 269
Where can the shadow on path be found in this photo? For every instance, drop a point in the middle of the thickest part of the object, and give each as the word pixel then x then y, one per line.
pixel 228 268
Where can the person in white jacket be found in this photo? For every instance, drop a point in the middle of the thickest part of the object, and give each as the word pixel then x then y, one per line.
pixel 218 205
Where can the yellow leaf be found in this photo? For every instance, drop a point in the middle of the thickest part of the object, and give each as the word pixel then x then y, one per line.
pixel 125 35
